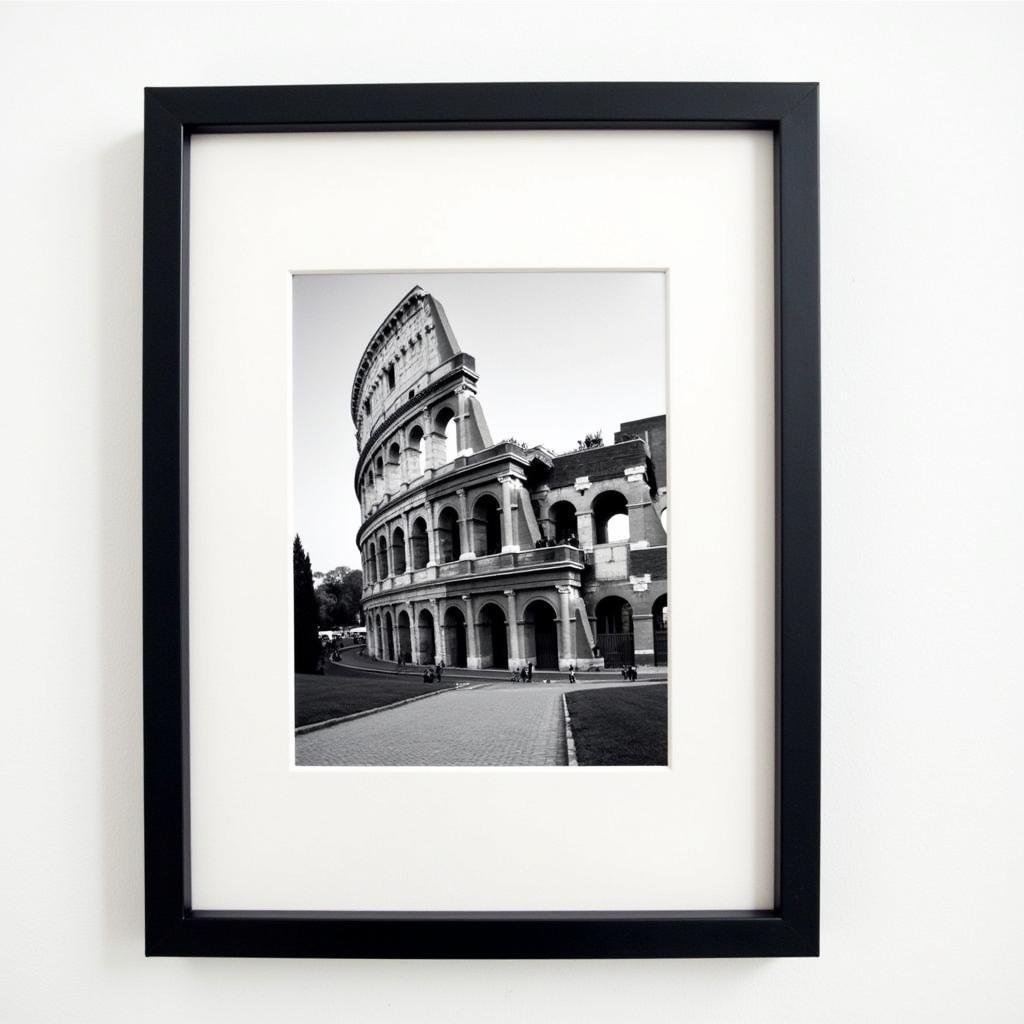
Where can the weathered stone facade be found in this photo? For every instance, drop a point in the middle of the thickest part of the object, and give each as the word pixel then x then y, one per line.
pixel 494 555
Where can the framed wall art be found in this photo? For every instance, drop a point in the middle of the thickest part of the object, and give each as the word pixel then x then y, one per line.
pixel 481 520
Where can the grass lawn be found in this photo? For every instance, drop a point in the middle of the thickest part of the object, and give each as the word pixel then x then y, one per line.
pixel 620 725
pixel 318 698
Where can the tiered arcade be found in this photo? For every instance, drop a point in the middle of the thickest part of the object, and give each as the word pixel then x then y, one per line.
pixel 494 555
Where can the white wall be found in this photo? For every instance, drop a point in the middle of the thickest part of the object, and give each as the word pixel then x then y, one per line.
pixel 923 221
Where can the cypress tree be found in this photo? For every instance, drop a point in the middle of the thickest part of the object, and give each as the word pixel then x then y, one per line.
pixel 307 637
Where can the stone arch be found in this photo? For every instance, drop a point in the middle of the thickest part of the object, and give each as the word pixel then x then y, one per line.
pixel 382 557
pixel 659 615
pixel 446 428
pixel 427 654
pixel 380 637
pixel 540 632
pixel 449 543
pixel 419 544
pixel 485 525
pixel 492 636
pixel 389 636
pixel 417 451
pixel 611 517
pixel 455 636
pixel 404 636
pixel 614 633
pixel 562 515
pixel 371 562
pixel 398 550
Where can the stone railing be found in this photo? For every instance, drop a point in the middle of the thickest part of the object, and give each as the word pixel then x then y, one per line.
pixel 483 565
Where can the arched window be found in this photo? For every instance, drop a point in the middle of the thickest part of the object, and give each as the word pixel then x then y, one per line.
pixel 371 562
pixel 449 546
pixel 563 521
pixel 445 425
pixel 487 526
pixel 382 559
pixel 611 517
pixel 398 550
pixel 418 543
pixel 392 469
pixel 417 462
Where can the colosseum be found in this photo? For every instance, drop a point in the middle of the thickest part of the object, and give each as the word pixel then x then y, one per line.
pixel 496 555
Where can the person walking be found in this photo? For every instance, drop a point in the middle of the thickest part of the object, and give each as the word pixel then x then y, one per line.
pixel 572 675
pixel 529 672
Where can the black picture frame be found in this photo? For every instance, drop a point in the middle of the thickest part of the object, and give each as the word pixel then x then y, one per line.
pixel 172 117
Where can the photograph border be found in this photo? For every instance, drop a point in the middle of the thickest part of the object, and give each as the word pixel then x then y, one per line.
pixel 172 117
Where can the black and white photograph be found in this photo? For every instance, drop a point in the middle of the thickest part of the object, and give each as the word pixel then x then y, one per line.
pixel 481 519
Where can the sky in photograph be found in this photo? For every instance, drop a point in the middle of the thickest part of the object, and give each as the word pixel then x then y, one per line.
pixel 559 355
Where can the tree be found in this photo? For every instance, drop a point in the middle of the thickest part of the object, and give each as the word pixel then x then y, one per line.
pixel 339 595
pixel 307 637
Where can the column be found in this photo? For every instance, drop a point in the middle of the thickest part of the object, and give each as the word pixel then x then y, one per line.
pixel 467 541
pixel 395 635
pixel 472 654
pixel 638 498
pixel 414 633
pixel 514 658
pixel 567 649
pixel 440 653
pixel 510 531
pixel 428 514
pixel 462 439
pixel 407 542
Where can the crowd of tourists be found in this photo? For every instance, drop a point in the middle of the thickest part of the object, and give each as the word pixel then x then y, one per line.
pixel 551 542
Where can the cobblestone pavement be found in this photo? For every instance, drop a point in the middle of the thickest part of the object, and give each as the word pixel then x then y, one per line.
pixel 483 724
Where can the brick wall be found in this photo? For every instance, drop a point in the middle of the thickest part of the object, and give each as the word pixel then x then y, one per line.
pixel 649 560
pixel 604 463
pixel 653 430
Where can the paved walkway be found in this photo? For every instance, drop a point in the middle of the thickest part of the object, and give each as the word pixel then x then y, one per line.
pixel 484 724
